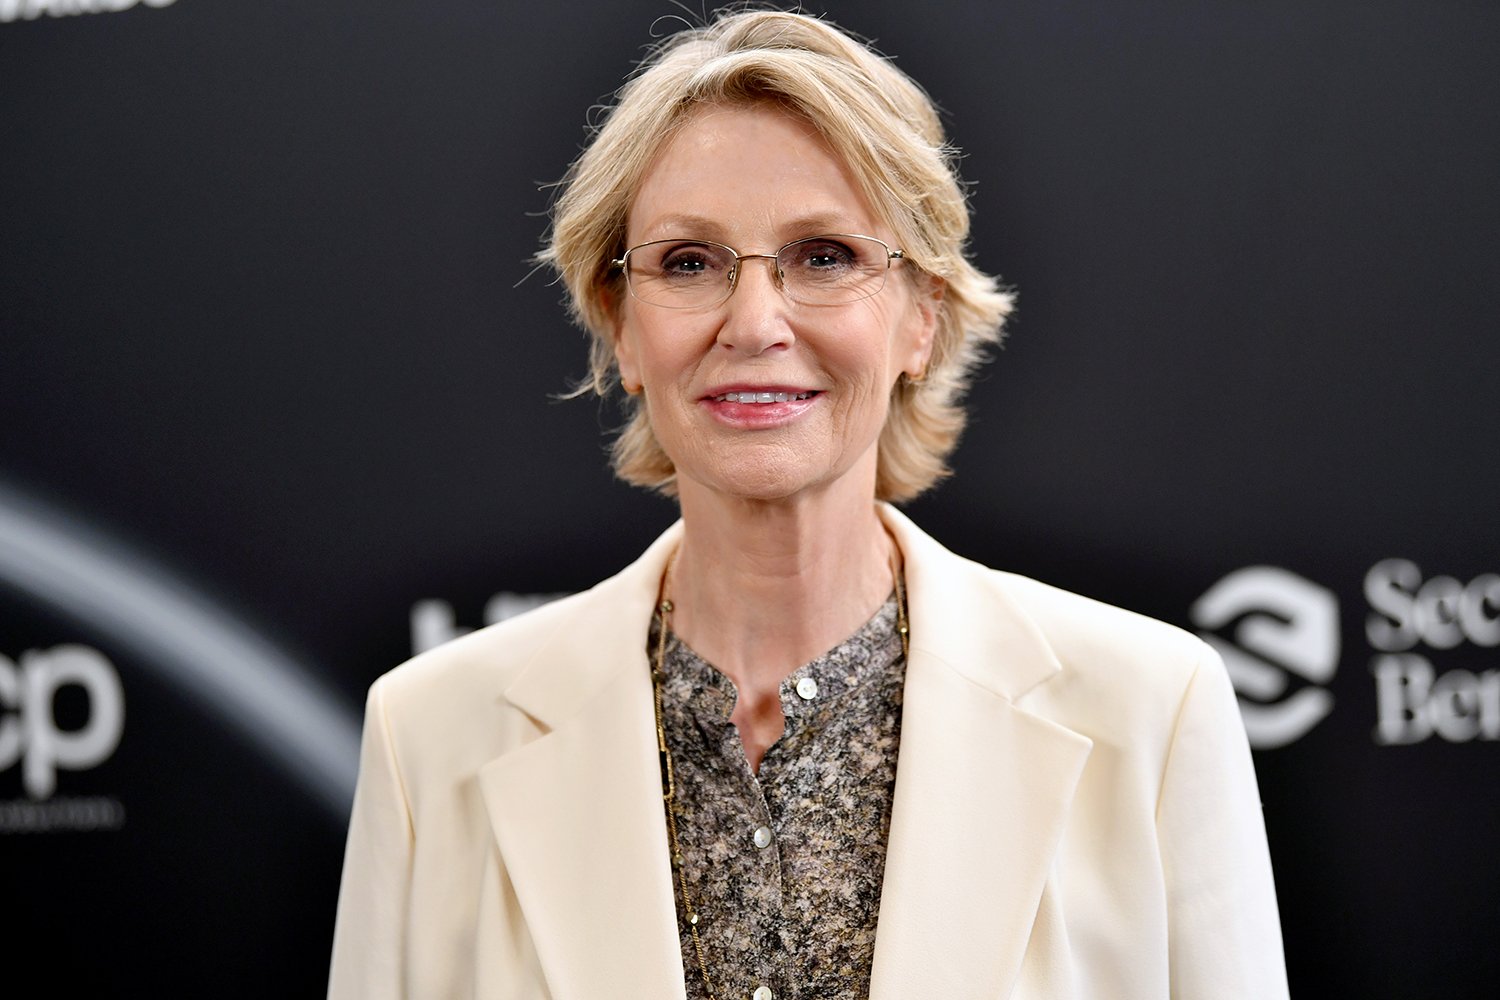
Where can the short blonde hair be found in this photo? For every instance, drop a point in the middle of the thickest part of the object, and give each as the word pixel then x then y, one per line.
pixel 886 129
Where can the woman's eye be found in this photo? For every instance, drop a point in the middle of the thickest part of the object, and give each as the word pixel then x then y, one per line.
pixel 688 262
pixel 685 264
pixel 823 256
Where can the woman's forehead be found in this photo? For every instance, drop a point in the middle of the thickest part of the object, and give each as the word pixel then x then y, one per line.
pixel 753 171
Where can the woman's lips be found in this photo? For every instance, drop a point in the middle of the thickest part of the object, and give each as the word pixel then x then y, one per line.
pixel 757 409
pixel 760 397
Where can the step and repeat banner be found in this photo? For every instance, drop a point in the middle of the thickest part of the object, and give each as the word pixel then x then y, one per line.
pixel 278 406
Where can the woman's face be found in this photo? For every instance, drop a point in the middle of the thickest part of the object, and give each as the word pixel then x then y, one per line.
pixel 755 178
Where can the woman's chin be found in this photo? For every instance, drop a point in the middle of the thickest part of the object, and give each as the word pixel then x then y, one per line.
pixel 766 488
pixel 758 479
pixel 783 481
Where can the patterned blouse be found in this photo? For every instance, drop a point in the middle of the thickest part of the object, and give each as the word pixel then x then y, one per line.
pixel 785 867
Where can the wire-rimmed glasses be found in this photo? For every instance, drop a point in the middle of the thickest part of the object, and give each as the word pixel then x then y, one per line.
pixel 826 270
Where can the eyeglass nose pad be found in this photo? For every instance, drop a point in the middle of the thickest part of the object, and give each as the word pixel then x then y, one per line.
pixel 778 276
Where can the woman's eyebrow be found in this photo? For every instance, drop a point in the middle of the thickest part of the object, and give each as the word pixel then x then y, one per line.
pixel 809 224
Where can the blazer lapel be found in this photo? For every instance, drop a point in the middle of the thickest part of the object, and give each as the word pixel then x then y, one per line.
pixel 982 787
pixel 578 813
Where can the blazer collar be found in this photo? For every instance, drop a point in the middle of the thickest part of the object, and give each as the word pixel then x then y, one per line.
pixel 963 616
pixel 968 613
pixel 982 791
pixel 606 634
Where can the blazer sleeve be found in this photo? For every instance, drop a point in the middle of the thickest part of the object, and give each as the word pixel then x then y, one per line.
pixel 369 939
pixel 1224 933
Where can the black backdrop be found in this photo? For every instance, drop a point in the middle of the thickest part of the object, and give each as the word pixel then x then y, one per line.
pixel 275 405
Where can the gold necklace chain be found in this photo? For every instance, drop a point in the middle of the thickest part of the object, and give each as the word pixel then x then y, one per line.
pixel 664 753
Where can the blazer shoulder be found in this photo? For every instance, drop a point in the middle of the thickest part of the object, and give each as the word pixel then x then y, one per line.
pixel 1125 679
pixel 550 657
pixel 444 712
pixel 482 663
pixel 1105 642
pixel 1016 635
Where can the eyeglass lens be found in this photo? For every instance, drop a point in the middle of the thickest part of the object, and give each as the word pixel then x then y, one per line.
pixel 821 270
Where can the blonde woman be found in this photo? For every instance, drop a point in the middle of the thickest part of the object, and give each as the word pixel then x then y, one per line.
pixel 798 749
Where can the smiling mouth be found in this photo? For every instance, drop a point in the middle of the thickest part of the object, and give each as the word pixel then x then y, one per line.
pixel 761 397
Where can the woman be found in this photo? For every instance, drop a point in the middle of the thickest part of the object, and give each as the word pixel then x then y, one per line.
pixel 766 241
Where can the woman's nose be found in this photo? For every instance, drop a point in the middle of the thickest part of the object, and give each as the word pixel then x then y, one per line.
pixel 757 317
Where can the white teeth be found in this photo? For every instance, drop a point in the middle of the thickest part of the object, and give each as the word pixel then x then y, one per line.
pixel 761 397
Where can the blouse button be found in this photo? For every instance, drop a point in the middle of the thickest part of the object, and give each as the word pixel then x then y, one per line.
pixel 764 993
pixel 763 838
pixel 807 688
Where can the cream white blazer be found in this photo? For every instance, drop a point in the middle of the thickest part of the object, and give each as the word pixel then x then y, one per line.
pixel 1075 812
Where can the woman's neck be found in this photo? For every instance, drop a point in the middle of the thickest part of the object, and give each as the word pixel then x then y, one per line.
pixel 761 588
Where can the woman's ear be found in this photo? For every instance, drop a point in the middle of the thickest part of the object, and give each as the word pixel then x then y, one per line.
pixel 626 357
pixel 927 301
pixel 611 304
